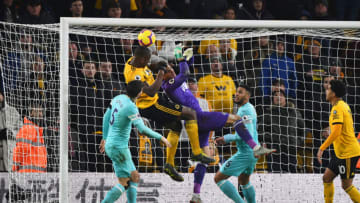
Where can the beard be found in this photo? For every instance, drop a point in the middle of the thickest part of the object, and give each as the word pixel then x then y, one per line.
pixel 239 102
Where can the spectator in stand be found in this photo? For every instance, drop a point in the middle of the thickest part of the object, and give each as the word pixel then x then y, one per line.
pixel 313 67
pixel 228 57
pixel 335 70
pixel 305 15
pixel 282 128
pixel 230 14
pixel 112 87
pixel 279 66
pixel 113 9
pixel 74 64
pixel 157 9
pixel 207 9
pixel 8 12
pixel 87 111
pixel 18 66
pixel 218 88
pixel 347 9
pixel 321 10
pixel 257 11
pixel 30 155
pixel 76 8
pixel 34 13
pixel 203 59
pixel 253 59
pixel 35 84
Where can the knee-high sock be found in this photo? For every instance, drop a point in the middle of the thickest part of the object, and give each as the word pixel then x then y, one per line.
pixel 230 191
pixel 249 192
pixel 353 193
pixel 329 192
pixel 173 138
pixel 131 192
pixel 114 194
pixel 244 133
pixel 193 134
pixel 199 175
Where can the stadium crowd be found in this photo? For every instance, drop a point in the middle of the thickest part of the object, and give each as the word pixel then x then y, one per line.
pixel 288 74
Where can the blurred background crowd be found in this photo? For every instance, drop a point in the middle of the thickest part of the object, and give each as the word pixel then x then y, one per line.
pixel 49 11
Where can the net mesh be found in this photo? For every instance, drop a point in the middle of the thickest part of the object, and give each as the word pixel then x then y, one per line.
pixel 288 70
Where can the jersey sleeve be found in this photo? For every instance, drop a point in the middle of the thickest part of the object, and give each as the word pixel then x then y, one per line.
pixel 179 79
pixel 137 121
pixel 133 114
pixel 337 115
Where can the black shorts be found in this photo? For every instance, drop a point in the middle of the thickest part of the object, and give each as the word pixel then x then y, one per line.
pixel 345 167
pixel 163 111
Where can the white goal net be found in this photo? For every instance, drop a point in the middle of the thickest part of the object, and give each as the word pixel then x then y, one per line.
pixel 287 68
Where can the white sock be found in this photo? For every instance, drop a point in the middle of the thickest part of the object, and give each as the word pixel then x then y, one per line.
pixel 257 147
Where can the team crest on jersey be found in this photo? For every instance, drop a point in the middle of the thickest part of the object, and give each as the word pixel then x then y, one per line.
pixel 137 77
pixel 334 112
pixel 148 72
pixel 177 106
pixel 171 81
pixel 246 119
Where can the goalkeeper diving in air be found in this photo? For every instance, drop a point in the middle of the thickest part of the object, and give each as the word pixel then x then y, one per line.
pixel 177 90
pixel 117 122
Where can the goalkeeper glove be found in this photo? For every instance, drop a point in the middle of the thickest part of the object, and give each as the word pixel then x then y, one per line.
pixel 178 52
pixel 188 54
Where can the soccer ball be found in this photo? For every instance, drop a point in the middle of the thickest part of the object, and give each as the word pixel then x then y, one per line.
pixel 146 38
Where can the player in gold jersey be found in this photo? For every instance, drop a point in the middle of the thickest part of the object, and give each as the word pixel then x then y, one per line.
pixel 161 110
pixel 346 146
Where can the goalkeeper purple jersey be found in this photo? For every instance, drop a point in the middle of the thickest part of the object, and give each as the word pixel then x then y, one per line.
pixel 178 90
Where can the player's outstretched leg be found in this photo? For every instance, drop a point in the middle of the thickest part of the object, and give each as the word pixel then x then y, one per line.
pixel 191 126
pixel 238 124
pixel 227 187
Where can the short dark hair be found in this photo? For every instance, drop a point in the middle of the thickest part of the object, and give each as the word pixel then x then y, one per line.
pixel 133 88
pixel 246 87
pixel 278 81
pixel 338 87
pixel 141 51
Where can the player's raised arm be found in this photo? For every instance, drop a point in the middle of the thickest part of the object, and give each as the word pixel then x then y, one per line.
pixel 143 129
pixel 154 88
pixel 184 62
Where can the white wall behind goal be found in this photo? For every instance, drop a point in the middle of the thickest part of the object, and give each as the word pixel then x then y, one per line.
pixel 92 187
